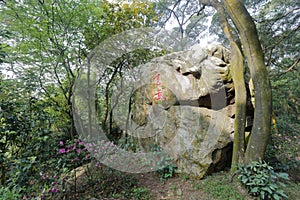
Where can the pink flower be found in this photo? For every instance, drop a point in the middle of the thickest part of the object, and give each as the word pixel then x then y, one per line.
pixel 75 159
pixel 78 150
pixel 62 150
pixel 70 147
pixel 43 176
pixel 54 190
pixel 80 142
pixel 43 194
pixel 88 144
pixel 61 143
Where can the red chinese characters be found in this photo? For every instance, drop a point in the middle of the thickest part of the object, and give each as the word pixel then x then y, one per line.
pixel 156 79
pixel 159 93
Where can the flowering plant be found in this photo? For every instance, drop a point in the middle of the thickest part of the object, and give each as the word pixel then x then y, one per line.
pixel 74 153
pixel 71 154
pixel 53 184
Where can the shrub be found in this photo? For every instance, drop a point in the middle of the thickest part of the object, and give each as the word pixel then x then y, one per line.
pixel 167 172
pixel 167 168
pixel 261 180
pixel 11 194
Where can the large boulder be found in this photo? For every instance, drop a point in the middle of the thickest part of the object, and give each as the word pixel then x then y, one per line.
pixel 184 104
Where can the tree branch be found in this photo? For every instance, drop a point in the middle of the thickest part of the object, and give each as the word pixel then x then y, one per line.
pixel 292 67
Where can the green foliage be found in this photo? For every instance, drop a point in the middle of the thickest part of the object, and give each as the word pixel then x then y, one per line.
pixel 281 154
pixel 286 106
pixel 45 42
pixel 50 41
pixel 190 23
pixel 9 194
pixel 167 168
pixel 261 180
pixel 218 187
pixel 105 89
pixel 57 38
pixel 141 193
pixel 72 154
pixel 69 155
pixel 167 171
pixel 134 193
pixel 51 185
pixel 292 190
pixel 109 183
pixel 116 18
pixel 24 133
pixel 278 25
pixel 3 47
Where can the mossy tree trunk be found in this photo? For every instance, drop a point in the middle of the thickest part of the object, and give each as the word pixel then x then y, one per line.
pixel 245 32
pixel 237 72
pixel 262 89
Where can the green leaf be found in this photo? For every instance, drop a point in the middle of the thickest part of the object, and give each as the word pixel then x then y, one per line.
pixel 267 189
pixel 284 176
pixel 262 194
pixel 276 197
pixel 254 190
pixel 281 193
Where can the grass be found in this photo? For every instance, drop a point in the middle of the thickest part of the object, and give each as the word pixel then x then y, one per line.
pixel 292 190
pixel 219 187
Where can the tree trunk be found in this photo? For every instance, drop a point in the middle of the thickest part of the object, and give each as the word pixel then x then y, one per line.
pixel 237 72
pixel 262 89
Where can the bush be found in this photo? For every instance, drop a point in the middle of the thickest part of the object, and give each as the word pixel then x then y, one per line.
pixel 9 194
pixel 261 180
